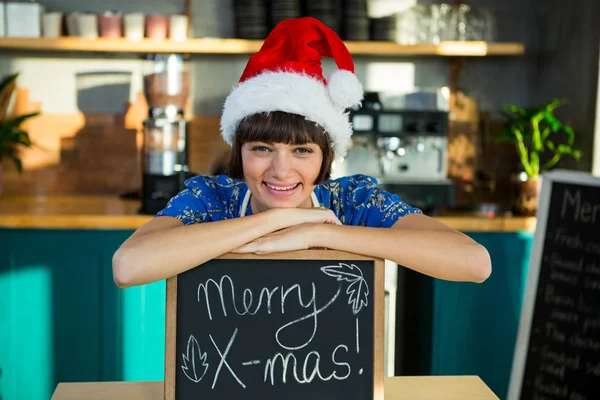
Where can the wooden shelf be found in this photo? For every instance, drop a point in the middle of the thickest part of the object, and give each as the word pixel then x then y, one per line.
pixel 241 46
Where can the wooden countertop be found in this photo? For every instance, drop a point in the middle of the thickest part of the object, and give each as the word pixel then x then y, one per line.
pixel 395 388
pixel 97 212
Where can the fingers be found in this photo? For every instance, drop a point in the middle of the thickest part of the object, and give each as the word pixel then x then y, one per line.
pixel 335 220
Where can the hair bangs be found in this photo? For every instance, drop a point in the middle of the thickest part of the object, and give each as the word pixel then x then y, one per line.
pixel 279 127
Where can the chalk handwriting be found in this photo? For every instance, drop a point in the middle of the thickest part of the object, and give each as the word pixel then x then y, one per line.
pixel 197 358
pixel 554 333
pixel 552 297
pixel 560 357
pixel 577 396
pixel 592 368
pixel 313 314
pixel 290 363
pixel 589 283
pixel 226 289
pixel 592 248
pixel 224 361
pixel 591 323
pixel 582 211
pixel 357 342
pixel 561 237
pixel 551 388
pixel 564 316
pixel 592 269
pixel 247 299
pixel 358 291
pixel 568 265
pixel 559 276
pixel 586 343
pixel 554 370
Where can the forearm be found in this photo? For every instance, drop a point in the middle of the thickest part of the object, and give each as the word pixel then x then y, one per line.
pixel 445 255
pixel 160 254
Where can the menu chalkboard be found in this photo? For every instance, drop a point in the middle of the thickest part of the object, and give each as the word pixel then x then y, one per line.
pixel 297 325
pixel 557 355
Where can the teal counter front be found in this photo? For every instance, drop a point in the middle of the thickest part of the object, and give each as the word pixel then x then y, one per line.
pixel 475 326
pixel 62 318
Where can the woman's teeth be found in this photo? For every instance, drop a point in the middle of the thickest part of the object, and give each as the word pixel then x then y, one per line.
pixel 281 188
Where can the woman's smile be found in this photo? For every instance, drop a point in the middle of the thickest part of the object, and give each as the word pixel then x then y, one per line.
pixel 282 189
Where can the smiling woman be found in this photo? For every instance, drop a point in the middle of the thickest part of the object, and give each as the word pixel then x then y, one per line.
pixel 286 123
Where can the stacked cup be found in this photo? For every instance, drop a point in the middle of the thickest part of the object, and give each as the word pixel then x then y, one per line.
pixel 114 25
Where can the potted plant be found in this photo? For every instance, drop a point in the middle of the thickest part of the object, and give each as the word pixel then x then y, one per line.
pixel 12 135
pixel 541 141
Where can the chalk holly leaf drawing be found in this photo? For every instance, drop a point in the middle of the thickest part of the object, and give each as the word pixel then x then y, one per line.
pixel 197 359
pixel 358 292
pixel 343 272
pixel 358 289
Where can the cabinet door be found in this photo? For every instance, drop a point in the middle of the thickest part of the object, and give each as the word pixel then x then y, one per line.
pixel 50 313
pixel 475 326
pixel 143 332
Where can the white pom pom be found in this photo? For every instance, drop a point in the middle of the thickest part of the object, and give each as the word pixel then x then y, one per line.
pixel 345 90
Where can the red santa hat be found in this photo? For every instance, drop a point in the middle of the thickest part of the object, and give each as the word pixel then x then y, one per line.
pixel 286 75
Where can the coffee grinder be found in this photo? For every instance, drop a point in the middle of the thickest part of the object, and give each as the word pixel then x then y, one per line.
pixel 165 146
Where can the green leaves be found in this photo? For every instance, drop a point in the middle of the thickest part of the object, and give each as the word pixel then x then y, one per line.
pixel 7 81
pixel 12 136
pixel 533 131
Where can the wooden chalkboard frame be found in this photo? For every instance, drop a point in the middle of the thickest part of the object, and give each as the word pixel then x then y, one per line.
pixel 535 261
pixel 378 311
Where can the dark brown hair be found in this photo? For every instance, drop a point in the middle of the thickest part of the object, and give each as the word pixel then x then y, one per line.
pixel 279 127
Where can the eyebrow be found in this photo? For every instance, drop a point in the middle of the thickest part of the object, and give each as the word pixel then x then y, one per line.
pixel 289 144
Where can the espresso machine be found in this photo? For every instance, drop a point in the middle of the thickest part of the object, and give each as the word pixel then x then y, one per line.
pixel 405 149
pixel 165 144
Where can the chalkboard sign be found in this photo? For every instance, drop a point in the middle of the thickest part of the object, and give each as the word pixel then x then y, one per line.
pixel 297 325
pixel 557 355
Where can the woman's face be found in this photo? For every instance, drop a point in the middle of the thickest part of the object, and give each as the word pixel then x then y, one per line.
pixel 280 175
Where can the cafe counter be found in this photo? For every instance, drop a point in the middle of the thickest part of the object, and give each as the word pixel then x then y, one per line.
pixel 97 212
pixel 395 388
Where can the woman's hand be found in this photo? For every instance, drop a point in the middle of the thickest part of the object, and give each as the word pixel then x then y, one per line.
pixel 315 215
pixel 297 237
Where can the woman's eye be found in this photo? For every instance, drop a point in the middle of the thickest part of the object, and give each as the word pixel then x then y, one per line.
pixel 304 150
pixel 260 149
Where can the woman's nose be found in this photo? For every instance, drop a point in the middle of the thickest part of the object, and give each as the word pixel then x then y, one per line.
pixel 281 166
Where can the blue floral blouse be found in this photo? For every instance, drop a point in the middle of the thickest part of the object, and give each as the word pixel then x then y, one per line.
pixel 355 200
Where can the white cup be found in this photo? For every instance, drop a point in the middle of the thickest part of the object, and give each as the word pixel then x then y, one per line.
pixel 72 28
pixel 51 24
pixel 178 27
pixel 134 26
pixel 87 26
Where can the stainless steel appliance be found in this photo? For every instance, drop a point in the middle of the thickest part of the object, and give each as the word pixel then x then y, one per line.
pixel 165 145
pixel 405 149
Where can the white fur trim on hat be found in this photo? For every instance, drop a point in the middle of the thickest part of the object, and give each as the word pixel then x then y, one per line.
pixel 290 92
pixel 344 88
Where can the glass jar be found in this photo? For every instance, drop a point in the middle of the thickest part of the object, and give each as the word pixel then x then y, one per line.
pixel 167 82
pixel 164 150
